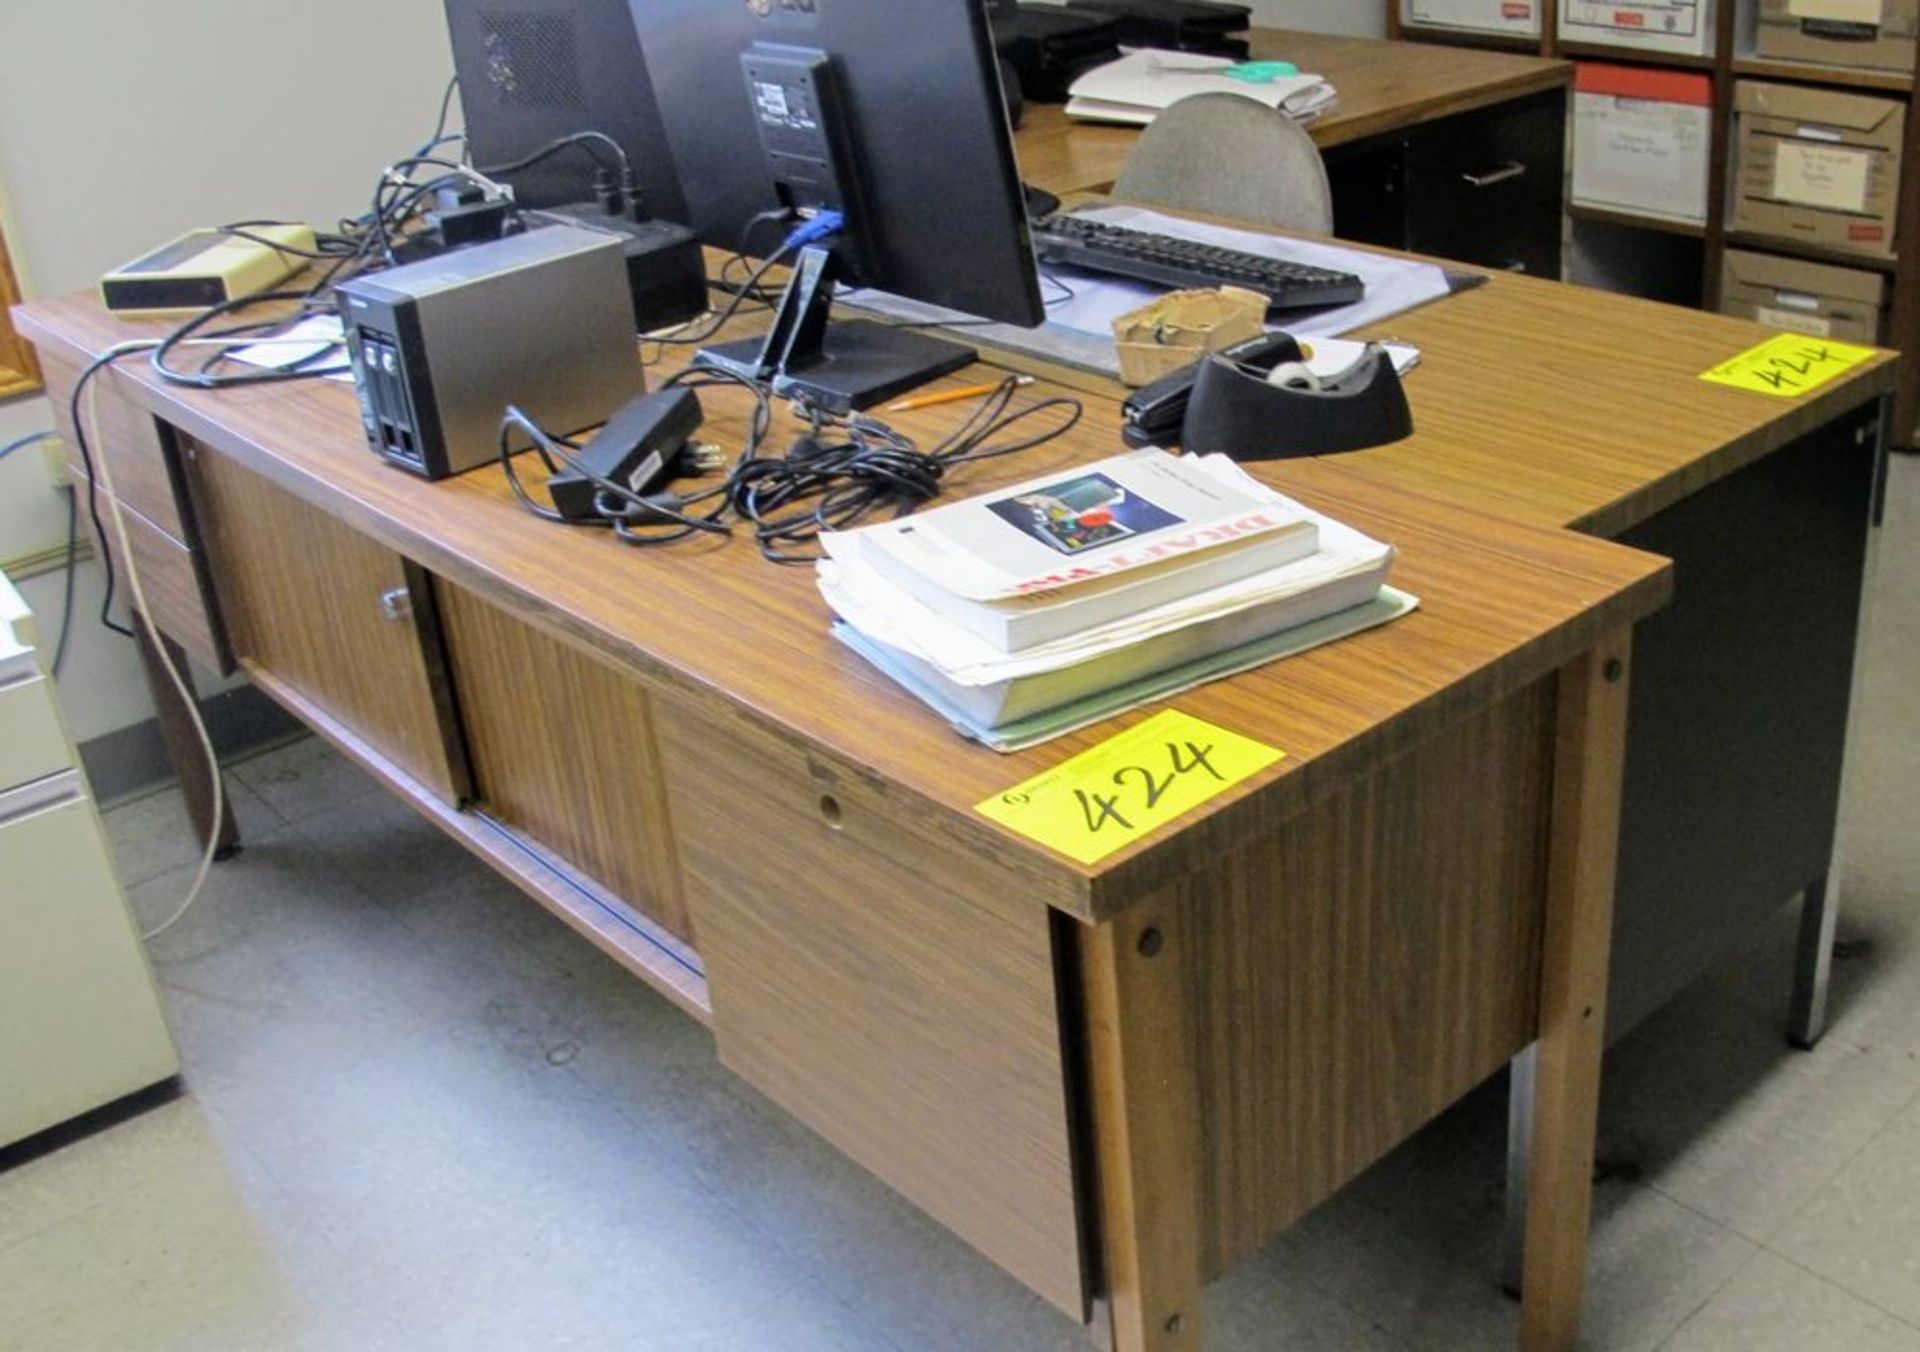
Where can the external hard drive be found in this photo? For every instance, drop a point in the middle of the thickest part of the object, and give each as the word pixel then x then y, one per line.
pixel 542 321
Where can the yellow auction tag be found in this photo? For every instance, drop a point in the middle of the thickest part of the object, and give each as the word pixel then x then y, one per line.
pixel 1788 366
pixel 1130 785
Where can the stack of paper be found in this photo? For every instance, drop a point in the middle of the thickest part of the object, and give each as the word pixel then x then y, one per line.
pixel 1140 86
pixel 1027 612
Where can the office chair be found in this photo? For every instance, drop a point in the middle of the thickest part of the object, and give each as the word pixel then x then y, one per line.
pixel 1225 155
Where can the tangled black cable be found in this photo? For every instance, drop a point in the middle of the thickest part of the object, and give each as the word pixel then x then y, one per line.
pixel 716 320
pixel 847 467
pixel 361 244
pixel 636 518
pixel 842 469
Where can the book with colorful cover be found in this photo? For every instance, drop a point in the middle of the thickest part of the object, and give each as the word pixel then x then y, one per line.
pixel 1065 552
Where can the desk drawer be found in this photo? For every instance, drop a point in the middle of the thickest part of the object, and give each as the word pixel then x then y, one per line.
pixel 173 578
pixel 33 743
pixel 1486 187
pixel 904 1008
pixel 130 440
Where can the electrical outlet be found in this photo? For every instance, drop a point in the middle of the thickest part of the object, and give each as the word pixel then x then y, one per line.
pixel 55 451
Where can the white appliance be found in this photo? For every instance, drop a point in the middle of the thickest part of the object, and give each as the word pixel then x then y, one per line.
pixel 80 1017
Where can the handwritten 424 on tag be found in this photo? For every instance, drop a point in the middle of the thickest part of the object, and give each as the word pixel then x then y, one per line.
pixel 1128 786
pixel 1788 366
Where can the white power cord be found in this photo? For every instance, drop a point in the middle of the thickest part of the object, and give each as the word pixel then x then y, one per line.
pixel 104 471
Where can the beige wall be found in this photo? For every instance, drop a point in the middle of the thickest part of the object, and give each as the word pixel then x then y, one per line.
pixel 124 123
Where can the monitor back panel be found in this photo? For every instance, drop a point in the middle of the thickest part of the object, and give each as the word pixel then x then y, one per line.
pixel 531 71
pixel 943 218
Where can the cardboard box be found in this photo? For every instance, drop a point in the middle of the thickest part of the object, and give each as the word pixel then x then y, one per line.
pixel 1521 17
pixel 1817 166
pixel 1641 139
pixel 1684 26
pixel 1875 34
pixel 1797 296
pixel 1173 330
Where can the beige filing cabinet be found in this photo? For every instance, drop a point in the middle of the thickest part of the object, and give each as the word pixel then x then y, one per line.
pixel 80 1019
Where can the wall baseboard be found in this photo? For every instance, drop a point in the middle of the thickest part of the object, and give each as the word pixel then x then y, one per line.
pixel 133 760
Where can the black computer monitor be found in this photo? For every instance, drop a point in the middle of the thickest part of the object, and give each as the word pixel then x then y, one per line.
pixel 888 111
pixel 532 71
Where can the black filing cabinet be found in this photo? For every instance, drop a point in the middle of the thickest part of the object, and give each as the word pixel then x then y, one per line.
pixel 1482 187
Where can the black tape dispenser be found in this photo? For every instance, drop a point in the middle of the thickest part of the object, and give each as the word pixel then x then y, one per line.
pixel 1153 414
pixel 1257 400
pixel 1287 411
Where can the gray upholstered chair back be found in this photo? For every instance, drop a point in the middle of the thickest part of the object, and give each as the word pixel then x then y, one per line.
pixel 1225 155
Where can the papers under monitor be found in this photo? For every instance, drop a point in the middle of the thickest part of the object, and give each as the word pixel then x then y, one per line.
pixel 1082 306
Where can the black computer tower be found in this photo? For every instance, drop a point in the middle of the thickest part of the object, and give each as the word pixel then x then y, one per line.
pixel 534 70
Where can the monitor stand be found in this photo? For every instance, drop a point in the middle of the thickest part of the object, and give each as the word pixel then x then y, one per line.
pixel 836 365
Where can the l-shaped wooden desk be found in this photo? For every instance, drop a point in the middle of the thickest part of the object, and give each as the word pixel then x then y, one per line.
pixel 1113 1080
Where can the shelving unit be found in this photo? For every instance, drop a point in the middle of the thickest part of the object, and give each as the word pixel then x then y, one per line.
pixel 1734 59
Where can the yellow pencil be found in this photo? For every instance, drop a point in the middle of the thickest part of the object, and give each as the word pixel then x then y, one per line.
pixel 953 396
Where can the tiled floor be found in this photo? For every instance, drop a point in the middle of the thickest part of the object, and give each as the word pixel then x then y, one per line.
pixel 421 1115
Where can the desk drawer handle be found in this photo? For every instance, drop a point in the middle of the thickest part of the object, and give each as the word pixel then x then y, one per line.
pixel 396 604
pixel 1500 173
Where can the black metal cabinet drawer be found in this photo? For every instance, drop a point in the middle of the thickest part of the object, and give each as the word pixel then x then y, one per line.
pixel 1486 187
pixel 1369 185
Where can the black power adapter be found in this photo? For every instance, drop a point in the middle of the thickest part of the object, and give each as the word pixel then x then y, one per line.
pixel 665 270
pixel 641 448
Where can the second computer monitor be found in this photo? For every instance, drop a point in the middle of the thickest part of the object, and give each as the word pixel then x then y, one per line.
pixel 533 71
pixel 889 111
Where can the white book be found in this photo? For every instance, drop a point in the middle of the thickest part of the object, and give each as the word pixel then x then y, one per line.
pixel 1066 552
pixel 1015 698
pixel 989 689
pixel 1139 86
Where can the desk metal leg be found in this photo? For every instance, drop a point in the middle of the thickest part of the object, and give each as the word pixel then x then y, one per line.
pixel 1813 963
pixel 1590 744
pixel 1520 1090
pixel 184 749
pixel 1146 1132
pixel 1820 903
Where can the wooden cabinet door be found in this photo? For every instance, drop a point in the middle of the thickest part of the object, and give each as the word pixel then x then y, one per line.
pixel 329 622
pixel 563 749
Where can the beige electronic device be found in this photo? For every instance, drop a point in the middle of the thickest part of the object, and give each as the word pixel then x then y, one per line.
pixel 208 267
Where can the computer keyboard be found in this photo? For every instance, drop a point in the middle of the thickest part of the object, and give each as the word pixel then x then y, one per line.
pixel 1098 247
